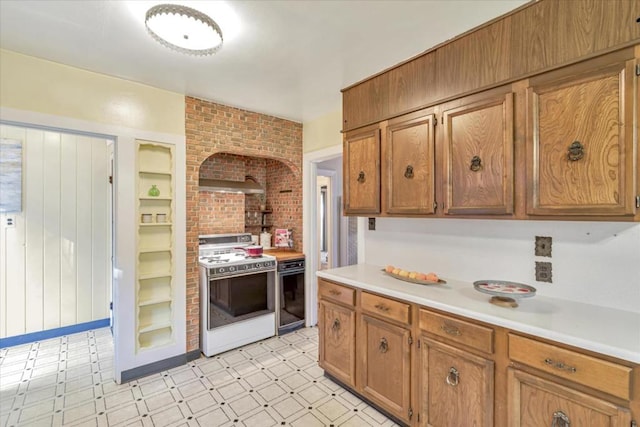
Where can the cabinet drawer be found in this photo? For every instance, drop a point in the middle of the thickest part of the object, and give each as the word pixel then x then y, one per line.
pixel 456 330
pixel 386 308
pixel 592 372
pixel 335 292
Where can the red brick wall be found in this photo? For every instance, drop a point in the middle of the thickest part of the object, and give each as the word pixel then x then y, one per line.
pixel 221 212
pixel 213 129
pixel 283 198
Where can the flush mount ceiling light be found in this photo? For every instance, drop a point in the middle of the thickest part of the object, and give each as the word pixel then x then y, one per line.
pixel 184 29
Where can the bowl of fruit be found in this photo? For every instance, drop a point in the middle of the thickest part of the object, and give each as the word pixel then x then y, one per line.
pixel 413 276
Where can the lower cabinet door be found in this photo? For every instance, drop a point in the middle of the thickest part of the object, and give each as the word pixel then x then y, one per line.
pixel 456 387
pixel 385 355
pixel 337 353
pixel 536 402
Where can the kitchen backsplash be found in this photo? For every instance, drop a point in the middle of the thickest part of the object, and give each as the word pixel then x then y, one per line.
pixel 592 262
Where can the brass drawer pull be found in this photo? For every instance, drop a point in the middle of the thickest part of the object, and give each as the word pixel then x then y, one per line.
pixel 336 325
pixel 408 172
pixel 361 177
pixel 560 365
pixel 575 152
pixel 382 307
pixel 451 330
pixel 384 345
pixel 454 377
pixel 476 164
pixel 560 419
pixel 334 292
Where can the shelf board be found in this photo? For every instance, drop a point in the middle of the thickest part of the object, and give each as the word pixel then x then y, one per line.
pixel 155 198
pixel 156 300
pixel 154 224
pixel 155 172
pixel 156 249
pixel 154 275
pixel 154 327
pixel 150 341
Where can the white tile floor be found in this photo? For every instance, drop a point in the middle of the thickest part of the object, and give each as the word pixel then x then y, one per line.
pixel 68 381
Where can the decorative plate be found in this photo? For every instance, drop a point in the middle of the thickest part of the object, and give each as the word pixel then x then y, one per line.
pixel 419 282
pixel 504 289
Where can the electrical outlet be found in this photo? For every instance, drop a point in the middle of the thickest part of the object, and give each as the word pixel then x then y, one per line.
pixel 10 222
pixel 372 223
pixel 544 272
pixel 543 246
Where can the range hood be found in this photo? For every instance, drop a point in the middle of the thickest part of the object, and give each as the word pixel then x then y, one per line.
pixel 224 186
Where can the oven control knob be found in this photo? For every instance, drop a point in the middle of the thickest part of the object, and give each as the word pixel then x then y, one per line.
pixel 258 264
pixel 222 270
pixel 232 269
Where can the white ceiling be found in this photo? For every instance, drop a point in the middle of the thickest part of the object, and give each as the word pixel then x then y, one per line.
pixel 284 58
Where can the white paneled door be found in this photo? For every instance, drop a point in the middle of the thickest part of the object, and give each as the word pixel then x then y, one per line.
pixel 55 255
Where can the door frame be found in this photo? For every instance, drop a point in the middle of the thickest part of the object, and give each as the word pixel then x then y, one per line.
pixel 310 163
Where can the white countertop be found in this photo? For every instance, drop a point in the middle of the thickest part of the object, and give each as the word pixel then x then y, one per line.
pixel 600 329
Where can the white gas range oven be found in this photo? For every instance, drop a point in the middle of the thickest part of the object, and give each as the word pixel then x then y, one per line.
pixel 237 293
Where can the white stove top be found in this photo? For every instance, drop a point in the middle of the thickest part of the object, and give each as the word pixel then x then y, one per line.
pixel 212 258
pixel 221 255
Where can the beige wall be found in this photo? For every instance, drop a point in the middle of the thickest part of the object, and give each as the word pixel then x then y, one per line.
pixel 32 84
pixel 322 132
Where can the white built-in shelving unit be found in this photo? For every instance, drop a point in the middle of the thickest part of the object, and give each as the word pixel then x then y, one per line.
pixel 155 258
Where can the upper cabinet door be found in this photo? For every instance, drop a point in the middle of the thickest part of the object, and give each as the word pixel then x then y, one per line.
pixel 361 164
pixel 580 140
pixel 409 150
pixel 478 156
pixel 365 103
pixel 555 32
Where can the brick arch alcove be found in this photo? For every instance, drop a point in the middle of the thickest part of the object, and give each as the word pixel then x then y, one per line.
pixel 213 129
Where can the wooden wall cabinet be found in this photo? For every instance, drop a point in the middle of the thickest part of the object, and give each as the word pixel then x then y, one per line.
pixel 475 60
pixel 578 64
pixel 365 103
pixel 580 139
pixel 478 155
pixel 408 167
pixel 552 33
pixel 361 167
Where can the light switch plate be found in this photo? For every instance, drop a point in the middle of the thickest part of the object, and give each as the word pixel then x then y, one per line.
pixel 543 246
pixel 544 272
pixel 372 223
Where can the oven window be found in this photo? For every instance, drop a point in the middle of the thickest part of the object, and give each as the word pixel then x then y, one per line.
pixel 233 299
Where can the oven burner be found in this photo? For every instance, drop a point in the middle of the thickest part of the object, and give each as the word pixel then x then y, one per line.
pixel 214 259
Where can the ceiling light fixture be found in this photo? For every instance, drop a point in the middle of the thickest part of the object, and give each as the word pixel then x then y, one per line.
pixel 184 29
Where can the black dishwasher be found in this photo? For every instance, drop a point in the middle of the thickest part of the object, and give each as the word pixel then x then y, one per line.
pixel 291 295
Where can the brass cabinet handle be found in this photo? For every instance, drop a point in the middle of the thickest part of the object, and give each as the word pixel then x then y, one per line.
pixel 382 307
pixel 476 164
pixel 384 345
pixel 451 330
pixel 560 419
pixel 408 172
pixel 576 151
pixel 334 292
pixel 560 365
pixel 336 325
pixel 361 177
pixel 453 378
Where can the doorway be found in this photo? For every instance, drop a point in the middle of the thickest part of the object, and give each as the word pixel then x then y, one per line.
pixel 330 239
pixel 56 246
